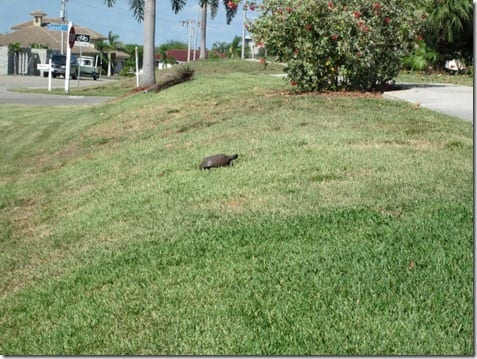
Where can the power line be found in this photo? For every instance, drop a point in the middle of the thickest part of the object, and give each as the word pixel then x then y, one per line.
pixel 192 32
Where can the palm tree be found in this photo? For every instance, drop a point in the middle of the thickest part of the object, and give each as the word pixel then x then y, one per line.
pixel 14 49
pixel 234 48
pixel 145 10
pixel 449 26
pixel 214 4
pixel 102 47
pixel 112 45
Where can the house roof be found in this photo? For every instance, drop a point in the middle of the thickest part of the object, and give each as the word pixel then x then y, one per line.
pixel 29 33
pixel 120 55
pixel 181 54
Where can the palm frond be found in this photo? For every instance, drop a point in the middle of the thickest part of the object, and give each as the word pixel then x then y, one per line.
pixel 214 7
pixel 137 7
pixel 230 13
pixel 177 5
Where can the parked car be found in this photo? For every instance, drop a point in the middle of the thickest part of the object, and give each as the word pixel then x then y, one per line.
pixel 58 63
pixel 87 67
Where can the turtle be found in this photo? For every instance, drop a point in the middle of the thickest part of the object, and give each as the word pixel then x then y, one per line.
pixel 218 160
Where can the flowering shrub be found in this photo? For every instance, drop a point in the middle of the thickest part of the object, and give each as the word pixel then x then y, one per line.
pixel 332 44
pixel 234 4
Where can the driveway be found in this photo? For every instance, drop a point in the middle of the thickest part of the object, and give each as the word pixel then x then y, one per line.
pixel 28 99
pixel 452 100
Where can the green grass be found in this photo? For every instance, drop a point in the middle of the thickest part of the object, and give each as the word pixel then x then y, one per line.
pixel 345 226
pixel 421 77
pixel 124 85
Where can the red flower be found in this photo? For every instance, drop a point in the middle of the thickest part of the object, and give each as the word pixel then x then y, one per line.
pixel 293 83
pixel 377 8
pixel 387 20
pixel 330 5
pixel 334 37
pixel 289 10
pixel 232 5
pixel 362 27
pixel 357 14
pixel 308 27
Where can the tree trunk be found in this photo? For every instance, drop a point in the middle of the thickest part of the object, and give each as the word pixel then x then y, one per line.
pixel 203 32
pixel 109 64
pixel 15 61
pixel 148 77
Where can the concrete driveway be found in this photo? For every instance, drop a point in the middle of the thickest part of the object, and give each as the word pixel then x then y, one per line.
pixel 452 100
pixel 28 99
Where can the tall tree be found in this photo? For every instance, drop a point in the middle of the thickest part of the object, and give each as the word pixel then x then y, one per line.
pixel 214 4
pixel 145 10
pixel 203 31
pixel 148 77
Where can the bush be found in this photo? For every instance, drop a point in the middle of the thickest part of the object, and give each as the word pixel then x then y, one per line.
pixel 181 73
pixel 329 45
pixel 421 59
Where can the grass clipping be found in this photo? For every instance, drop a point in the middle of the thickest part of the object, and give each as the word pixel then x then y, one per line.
pixel 182 74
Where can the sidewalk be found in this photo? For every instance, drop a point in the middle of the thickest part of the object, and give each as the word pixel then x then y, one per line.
pixel 452 100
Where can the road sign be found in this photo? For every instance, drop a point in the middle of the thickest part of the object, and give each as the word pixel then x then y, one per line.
pixel 43 67
pixel 72 37
pixel 82 40
pixel 58 27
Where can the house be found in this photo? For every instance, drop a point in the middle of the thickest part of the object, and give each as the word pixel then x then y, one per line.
pixel 254 49
pixel 37 41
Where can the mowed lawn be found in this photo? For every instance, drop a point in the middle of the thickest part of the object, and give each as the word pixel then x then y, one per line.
pixel 344 227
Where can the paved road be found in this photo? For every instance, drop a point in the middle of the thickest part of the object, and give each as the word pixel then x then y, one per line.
pixel 452 100
pixel 28 99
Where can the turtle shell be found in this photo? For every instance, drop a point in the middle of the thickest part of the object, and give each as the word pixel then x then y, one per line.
pixel 217 160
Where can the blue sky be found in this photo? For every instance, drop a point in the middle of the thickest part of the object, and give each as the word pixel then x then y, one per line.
pixel 97 16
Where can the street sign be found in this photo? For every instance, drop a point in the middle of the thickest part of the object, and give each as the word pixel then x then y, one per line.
pixel 82 40
pixel 43 67
pixel 72 37
pixel 57 27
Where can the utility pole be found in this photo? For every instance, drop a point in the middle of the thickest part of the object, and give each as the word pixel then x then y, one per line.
pixel 189 23
pixel 196 30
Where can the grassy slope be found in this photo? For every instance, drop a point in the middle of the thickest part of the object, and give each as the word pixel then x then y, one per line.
pixel 345 226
